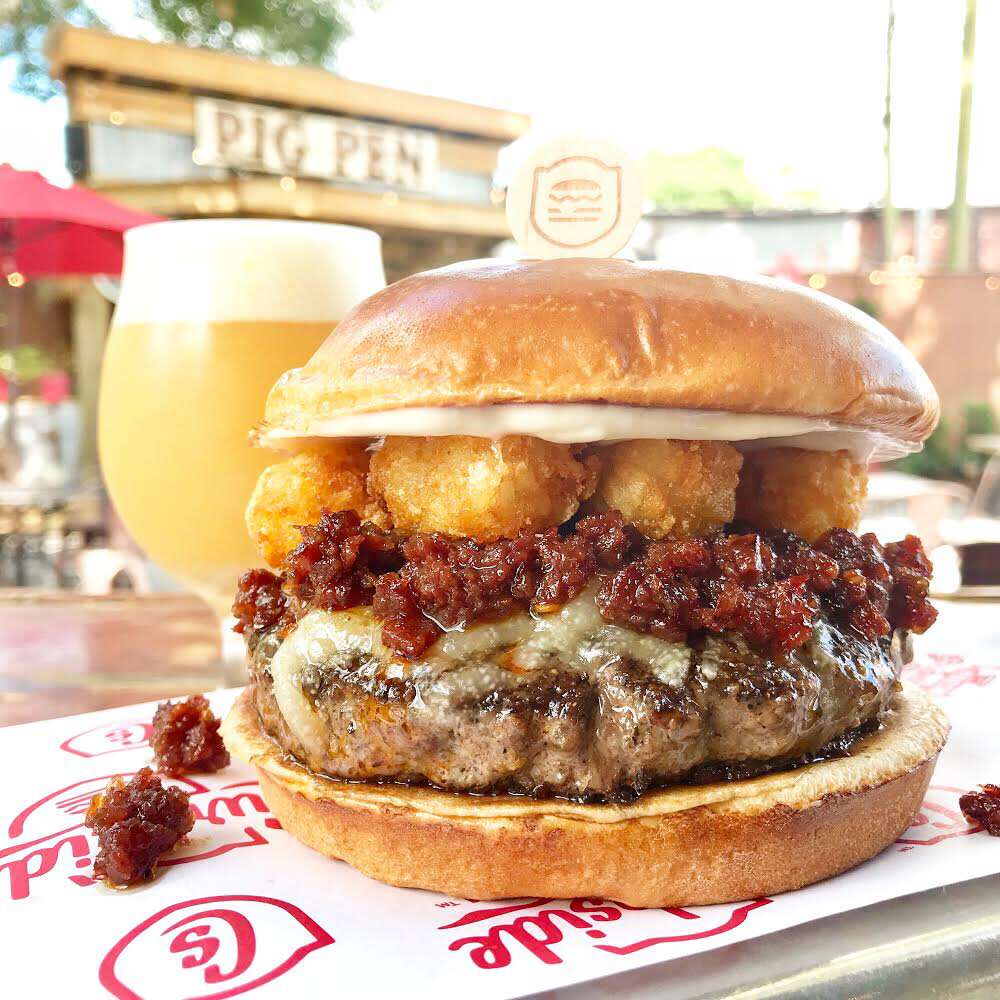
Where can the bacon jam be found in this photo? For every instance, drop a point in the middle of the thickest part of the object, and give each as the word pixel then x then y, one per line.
pixel 136 823
pixel 260 604
pixel 186 737
pixel 768 587
pixel 983 807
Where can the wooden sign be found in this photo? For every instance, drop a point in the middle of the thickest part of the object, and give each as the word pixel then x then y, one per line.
pixel 279 141
pixel 576 196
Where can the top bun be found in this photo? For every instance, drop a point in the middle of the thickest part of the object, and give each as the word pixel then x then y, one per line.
pixel 608 331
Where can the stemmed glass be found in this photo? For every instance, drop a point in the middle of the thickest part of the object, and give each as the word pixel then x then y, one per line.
pixel 210 313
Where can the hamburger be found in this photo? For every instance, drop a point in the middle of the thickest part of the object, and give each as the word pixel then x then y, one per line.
pixel 565 596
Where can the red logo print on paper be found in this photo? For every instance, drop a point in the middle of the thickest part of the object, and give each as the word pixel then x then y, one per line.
pixel 538 934
pixel 48 839
pixel 109 738
pixel 212 947
pixel 943 674
pixel 939 819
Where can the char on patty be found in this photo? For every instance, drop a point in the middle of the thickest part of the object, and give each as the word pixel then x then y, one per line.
pixel 565 703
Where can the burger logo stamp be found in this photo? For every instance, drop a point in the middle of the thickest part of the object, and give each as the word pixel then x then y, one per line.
pixel 577 201
pixel 575 197
pixel 217 946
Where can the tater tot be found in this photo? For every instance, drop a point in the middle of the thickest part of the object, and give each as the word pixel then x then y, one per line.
pixel 807 492
pixel 680 488
pixel 295 492
pixel 479 488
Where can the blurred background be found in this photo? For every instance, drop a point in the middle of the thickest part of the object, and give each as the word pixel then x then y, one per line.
pixel 850 147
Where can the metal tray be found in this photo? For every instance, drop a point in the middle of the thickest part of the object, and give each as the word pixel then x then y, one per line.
pixel 942 943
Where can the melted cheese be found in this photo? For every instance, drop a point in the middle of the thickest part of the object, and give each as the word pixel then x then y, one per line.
pixel 579 423
pixel 576 636
pixel 321 639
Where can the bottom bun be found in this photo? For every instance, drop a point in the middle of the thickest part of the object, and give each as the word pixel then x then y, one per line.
pixel 680 846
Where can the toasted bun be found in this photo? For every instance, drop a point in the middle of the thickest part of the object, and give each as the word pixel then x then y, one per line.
pixel 572 331
pixel 682 846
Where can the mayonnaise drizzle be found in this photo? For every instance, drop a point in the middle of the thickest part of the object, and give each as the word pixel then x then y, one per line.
pixel 579 423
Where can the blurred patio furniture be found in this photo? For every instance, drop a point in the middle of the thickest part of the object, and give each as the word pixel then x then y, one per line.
pixel 50 231
pixel 900 504
pixel 105 571
pixel 969 560
pixel 986 500
pixel 987 443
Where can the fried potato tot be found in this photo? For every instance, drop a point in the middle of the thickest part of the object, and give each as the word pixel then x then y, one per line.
pixel 807 492
pixel 295 491
pixel 680 488
pixel 475 487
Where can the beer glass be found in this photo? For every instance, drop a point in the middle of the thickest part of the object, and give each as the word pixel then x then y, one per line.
pixel 210 313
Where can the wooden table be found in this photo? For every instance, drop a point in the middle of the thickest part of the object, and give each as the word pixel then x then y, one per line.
pixel 61 653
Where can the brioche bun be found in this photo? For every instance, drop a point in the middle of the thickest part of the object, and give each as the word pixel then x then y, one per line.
pixel 607 331
pixel 680 846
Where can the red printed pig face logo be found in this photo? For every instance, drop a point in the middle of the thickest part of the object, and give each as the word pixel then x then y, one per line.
pixel 943 674
pixel 938 820
pixel 218 946
pixel 109 738
pixel 65 808
pixel 48 839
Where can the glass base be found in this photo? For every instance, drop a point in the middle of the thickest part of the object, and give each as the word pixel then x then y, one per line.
pixel 233 653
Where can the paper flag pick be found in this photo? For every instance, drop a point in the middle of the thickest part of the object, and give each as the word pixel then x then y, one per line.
pixel 576 196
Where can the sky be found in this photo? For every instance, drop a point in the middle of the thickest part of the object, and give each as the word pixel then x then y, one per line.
pixel 794 86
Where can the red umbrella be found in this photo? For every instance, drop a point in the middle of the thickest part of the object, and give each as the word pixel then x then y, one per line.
pixel 46 231
pixel 49 230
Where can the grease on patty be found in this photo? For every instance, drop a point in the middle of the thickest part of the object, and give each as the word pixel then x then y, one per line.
pixel 565 704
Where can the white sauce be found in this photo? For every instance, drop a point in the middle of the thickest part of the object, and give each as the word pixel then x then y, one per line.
pixel 578 423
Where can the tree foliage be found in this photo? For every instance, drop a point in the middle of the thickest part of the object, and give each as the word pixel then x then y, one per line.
pixel 284 31
pixel 23 27
pixel 946 453
pixel 706 180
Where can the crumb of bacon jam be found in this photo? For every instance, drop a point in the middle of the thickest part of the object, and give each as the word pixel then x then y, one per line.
pixel 768 586
pixel 186 737
pixel 447 583
pixel 911 572
pixel 338 561
pixel 983 807
pixel 136 824
pixel 260 604
pixel 728 583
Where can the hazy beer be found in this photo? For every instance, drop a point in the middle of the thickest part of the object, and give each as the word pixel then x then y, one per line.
pixel 210 314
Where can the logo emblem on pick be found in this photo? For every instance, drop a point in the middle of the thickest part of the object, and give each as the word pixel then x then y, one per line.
pixel 577 196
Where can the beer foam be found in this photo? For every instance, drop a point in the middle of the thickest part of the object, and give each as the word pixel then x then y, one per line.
pixel 245 270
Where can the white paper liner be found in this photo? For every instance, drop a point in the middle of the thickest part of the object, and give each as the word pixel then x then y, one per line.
pixel 243 908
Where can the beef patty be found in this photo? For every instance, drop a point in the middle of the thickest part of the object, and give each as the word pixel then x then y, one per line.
pixel 563 704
